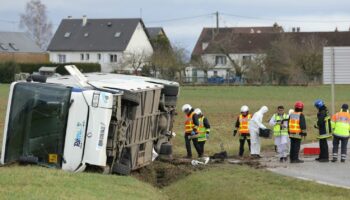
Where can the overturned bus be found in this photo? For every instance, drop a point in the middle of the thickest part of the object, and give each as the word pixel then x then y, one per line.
pixel 111 121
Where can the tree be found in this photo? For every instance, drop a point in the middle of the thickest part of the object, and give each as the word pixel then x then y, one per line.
pixel 135 61
pixel 227 44
pixel 202 64
pixel 35 21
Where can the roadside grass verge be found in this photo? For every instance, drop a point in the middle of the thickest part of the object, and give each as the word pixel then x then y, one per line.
pixel 242 182
pixel 35 182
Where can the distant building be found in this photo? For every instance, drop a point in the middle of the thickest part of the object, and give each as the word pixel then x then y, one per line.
pixel 243 44
pixel 110 42
pixel 18 47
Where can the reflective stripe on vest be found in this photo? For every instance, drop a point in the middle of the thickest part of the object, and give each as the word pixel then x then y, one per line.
pixel 294 123
pixel 189 125
pixel 341 124
pixel 243 124
pixel 277 129
pixel 327 121
pixel 202 131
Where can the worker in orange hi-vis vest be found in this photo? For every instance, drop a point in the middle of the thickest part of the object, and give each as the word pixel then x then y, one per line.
pixel 191 126
pixel 241 127
pixel 296 130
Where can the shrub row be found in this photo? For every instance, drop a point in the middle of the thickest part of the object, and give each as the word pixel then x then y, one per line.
pixel 9 69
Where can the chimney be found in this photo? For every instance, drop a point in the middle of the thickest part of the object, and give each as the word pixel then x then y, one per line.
pixel 293 29
pixel 298 29
pixel 69 17
pixel 84 20
pixel 336 29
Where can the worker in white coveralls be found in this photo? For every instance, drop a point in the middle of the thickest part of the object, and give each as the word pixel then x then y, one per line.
pixel 254 125
pixel 279 122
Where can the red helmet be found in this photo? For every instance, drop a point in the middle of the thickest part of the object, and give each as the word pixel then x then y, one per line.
pixel 299 105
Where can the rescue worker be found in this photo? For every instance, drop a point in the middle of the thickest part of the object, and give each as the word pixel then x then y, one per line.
pixel 191 125
pixel 203 130
pixel 241 127
pixel 324 129
pixel 296 130
pixel 254 127
pixel 279 121
pixel 341 126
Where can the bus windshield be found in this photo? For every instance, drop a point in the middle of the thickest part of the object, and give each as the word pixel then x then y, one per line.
pixel 37 122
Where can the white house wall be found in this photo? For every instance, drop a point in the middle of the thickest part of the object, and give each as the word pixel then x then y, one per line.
pixel 139 42
pixel 106 65
pixel 341 65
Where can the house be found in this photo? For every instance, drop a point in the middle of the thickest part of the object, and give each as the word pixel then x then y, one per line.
pixel 220 48
pixel 18 47
pixel 117 44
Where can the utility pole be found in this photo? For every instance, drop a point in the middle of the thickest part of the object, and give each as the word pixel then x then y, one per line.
pixel 333 80
pixel 217 21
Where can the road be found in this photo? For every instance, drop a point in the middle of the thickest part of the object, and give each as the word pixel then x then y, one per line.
pixel 336 174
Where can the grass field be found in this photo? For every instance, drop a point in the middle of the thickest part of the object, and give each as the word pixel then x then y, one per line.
pixel 221 105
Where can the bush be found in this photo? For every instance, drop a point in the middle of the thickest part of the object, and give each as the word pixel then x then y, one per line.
pixel 83 67
pixel 8 71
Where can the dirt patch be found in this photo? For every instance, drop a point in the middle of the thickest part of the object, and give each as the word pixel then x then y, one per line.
pixel 165 172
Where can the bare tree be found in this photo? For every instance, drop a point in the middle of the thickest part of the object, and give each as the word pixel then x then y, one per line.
pixel 135 61
pixel 202 64
pixel 227 44
pixel 257 73
pixel 36 23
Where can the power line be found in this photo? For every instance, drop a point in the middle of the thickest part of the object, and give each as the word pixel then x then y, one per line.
pixel 179 19
pixel 286 20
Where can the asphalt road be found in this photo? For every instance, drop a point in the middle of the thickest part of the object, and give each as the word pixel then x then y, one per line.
pixel 336 174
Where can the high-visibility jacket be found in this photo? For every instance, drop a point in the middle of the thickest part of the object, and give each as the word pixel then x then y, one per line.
pixel 341 124
pixel 189 125
pixel 294 125
pixel 243 124
pixel 202 130
pixel 327 122
pixel 278 130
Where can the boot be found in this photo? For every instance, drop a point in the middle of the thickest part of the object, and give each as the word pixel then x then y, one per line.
pixel 334 160
pixel 342 160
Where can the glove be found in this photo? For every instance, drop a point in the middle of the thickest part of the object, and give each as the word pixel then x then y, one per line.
pixel 303 134
pixel 234 133
pixel 193 133
pixel 207 135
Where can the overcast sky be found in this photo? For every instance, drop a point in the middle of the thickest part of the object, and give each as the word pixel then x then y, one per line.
pixel 183 20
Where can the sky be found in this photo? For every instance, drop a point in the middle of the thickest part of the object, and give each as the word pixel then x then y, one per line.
pixel 183 20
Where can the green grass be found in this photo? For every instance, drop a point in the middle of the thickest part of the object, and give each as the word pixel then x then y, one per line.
pixel 42 183
pixel 242 182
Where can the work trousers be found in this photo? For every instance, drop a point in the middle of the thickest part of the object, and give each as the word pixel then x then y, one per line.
pixel 324 149
pixel 188 146
pixel 282 145
pixel 201 148
pixel 344 144
pixel 254 142
pixel 294 148
pixel 242 140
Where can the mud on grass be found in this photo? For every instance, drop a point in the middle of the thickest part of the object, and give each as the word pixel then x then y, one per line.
pixel 163 173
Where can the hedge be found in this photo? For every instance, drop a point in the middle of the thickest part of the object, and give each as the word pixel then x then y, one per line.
pixel 83 67
pixel 8 71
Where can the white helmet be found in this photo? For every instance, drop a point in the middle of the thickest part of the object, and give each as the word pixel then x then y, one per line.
pixel 197 111
pixel 244 108
pixel 186 108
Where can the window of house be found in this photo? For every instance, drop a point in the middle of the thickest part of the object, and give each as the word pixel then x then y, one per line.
pixel 117 34
pixel 87 56
pixel 215 73
pixel 61 58
pixel 246 60
pixel 220 60
pixel 82 56
pixel 98 56
pixel 67 34
pixel 113 58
